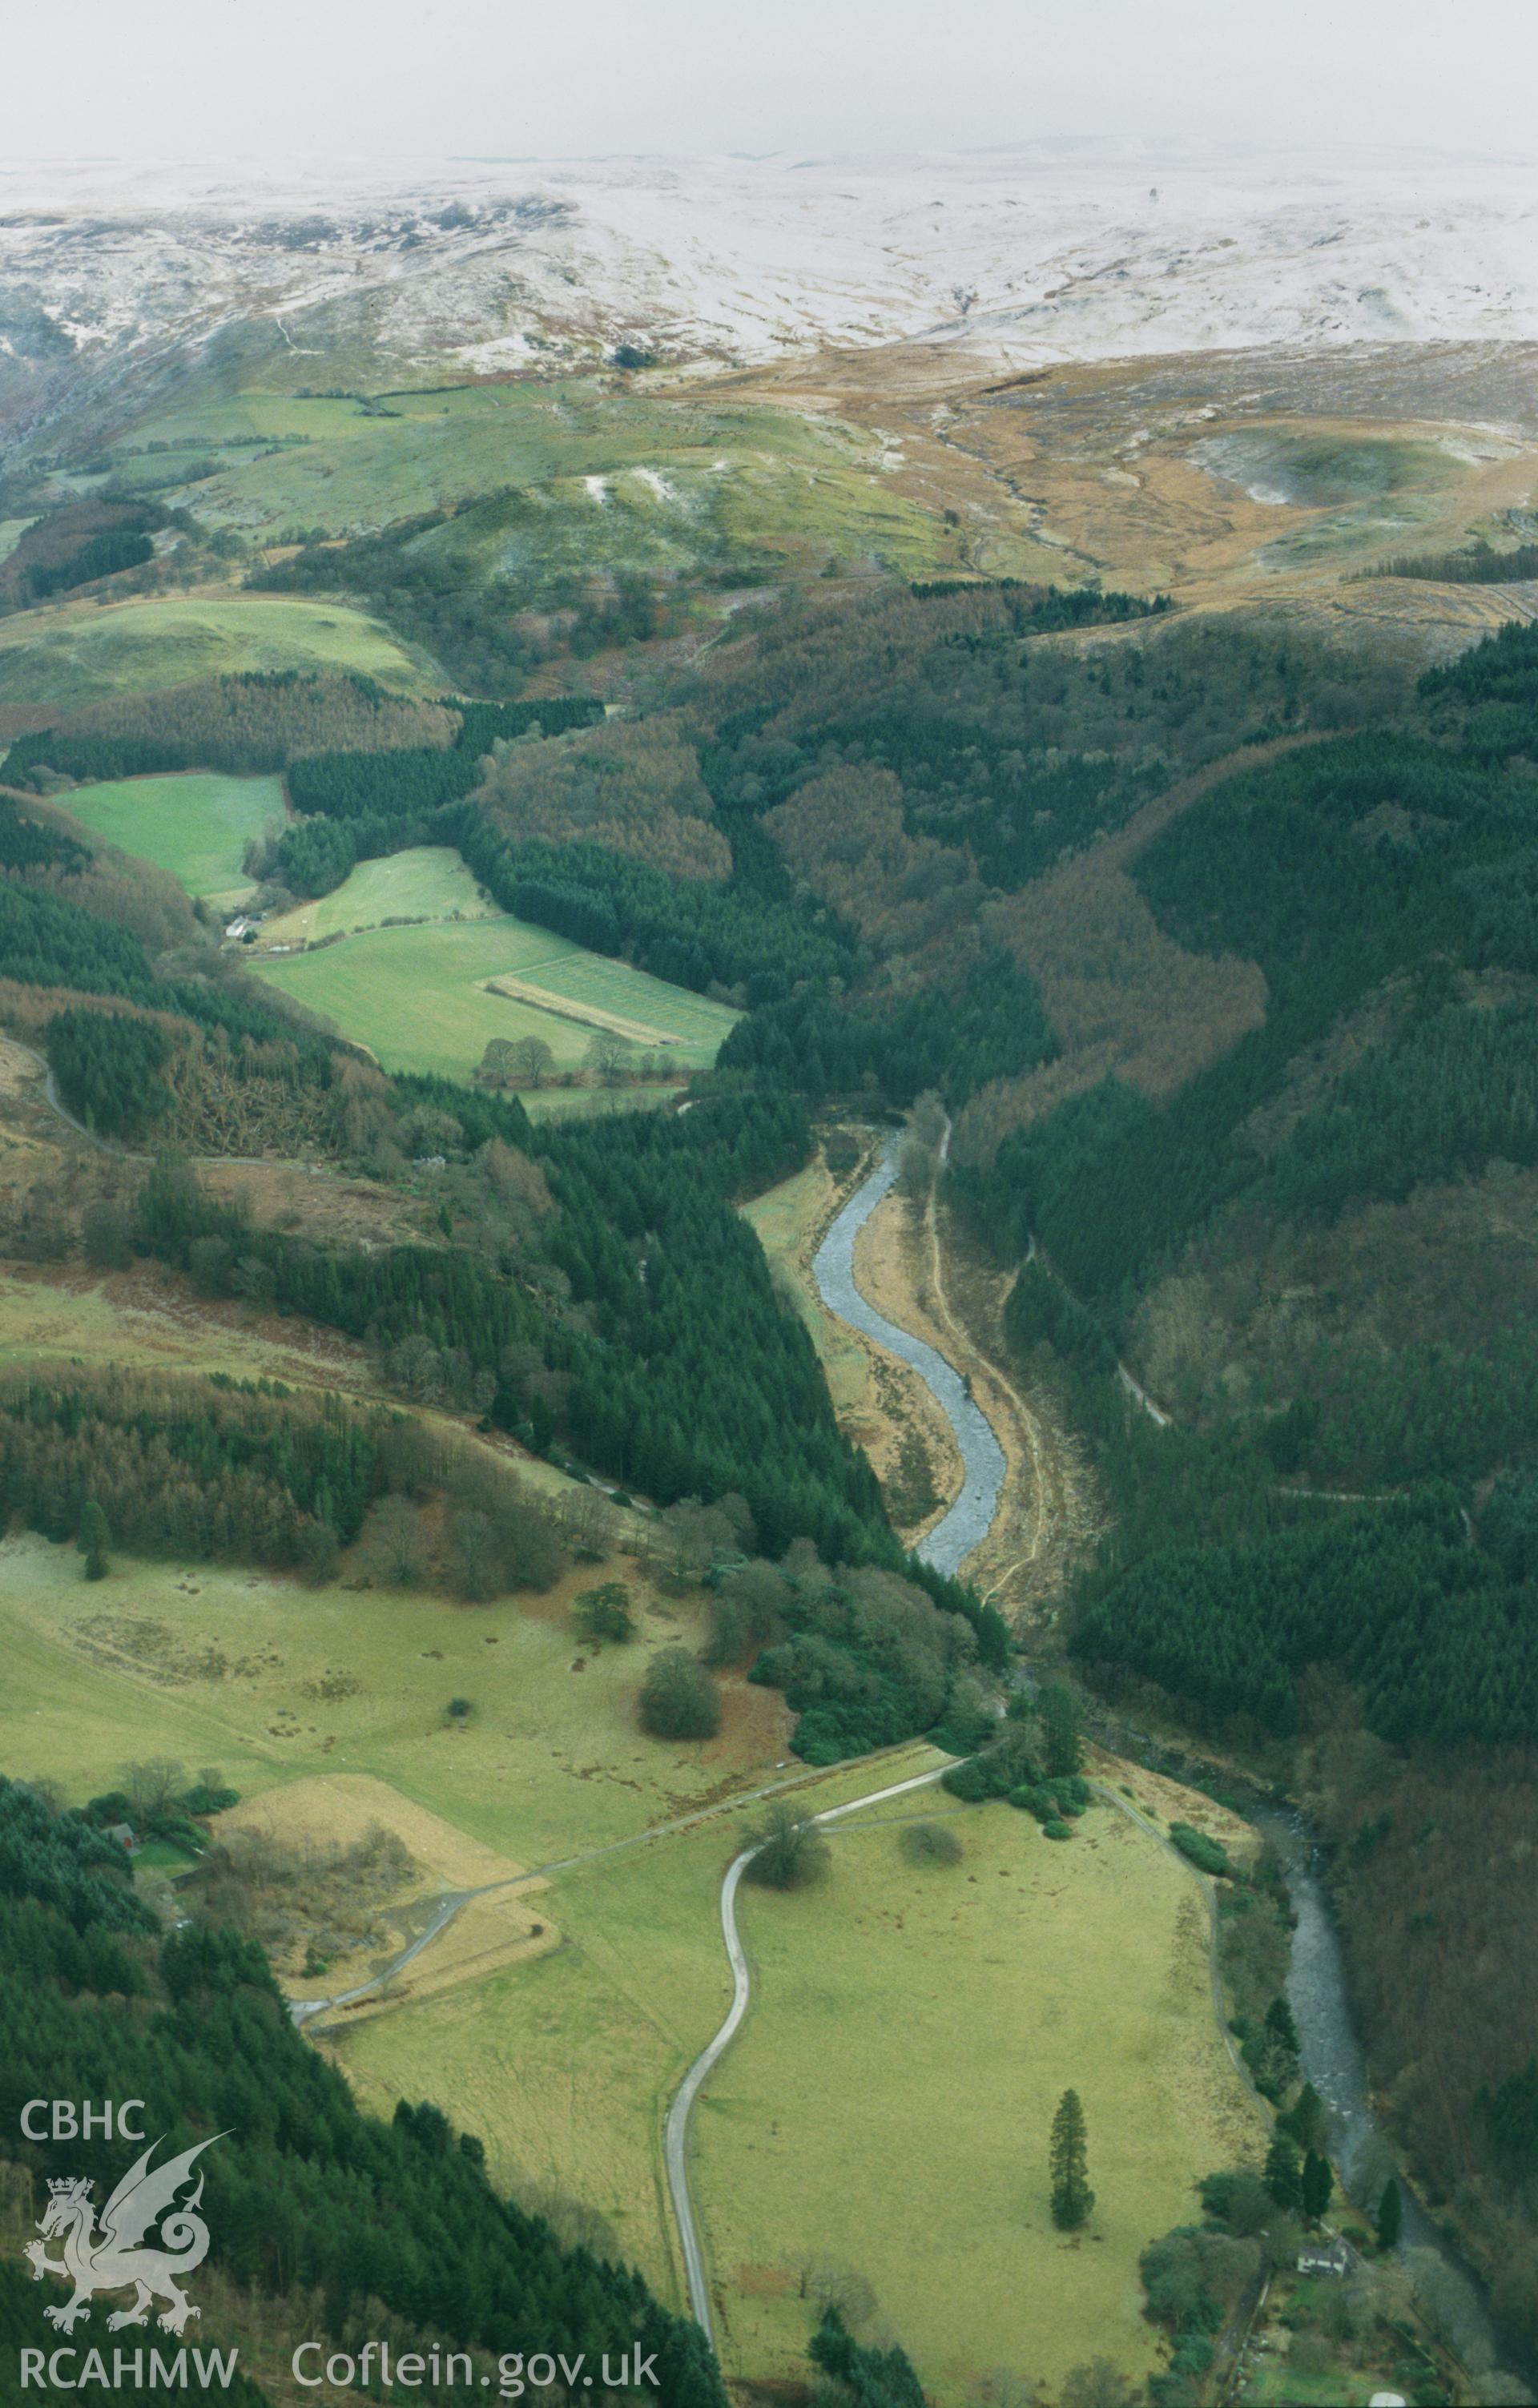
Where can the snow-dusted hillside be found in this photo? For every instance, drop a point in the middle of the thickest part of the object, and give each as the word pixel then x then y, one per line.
pixel 1048 252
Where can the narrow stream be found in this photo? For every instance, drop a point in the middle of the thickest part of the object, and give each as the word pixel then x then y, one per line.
pixel 971 1518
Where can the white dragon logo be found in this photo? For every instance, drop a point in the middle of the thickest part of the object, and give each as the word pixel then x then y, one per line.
pixel 111 2259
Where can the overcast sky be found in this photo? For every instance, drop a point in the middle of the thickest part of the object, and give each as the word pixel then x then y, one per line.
pixel 408 80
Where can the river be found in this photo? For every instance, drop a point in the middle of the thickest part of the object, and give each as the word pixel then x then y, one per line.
pixel 1332 2055
pixel 970 1517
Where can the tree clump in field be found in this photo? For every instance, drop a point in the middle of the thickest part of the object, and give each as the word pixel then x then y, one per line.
pixel 864 2372
pixel 1194 2276
pixel 609 1056
pixel 1390 2215
pixel 677 1697
pixel 604 1614
pixel 931 1843
pixel 789 1852
pixel 1318 2183
pixel 1068 2161
pixel 694 1543
pixel 157 1800
pixel 1061 1718
pixel 1284 2176
pixel 1094 2383
pixel 494 1536
pixel 1209 1855
pixel 1005 1767
pixel 746 1611
pixel 314 1897
pixel 831 2282
pixel 516 1061
pixel 395 1546
pixel 870 1658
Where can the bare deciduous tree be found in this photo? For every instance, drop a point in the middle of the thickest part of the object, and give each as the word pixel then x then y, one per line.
pixel 154 1788
pixel 609 1055
pixel 397 1541
pixel 832 2284
pixel 534 1060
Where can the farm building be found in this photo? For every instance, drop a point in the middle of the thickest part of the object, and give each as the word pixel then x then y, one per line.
pixel 1324 2258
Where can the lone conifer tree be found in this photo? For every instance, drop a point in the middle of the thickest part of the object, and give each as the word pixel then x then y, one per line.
pixel 1307 2120
pixel 1318 2182
pixel 1072 2196
pixel 1283 2177
pixel 1390 2214
pixel 94 1539
pixel 1062 1728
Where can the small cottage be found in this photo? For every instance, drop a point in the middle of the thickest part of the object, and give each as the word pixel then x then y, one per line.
pixel 1324 2258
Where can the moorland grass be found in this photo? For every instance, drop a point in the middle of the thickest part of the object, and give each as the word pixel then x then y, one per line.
pixel 676 483
pixel 78 651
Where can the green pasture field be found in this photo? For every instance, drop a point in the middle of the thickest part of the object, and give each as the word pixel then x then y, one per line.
pixel 430 880
pixel 197 826
pixel 415 996
pixel 889 2102
pixel 78 651
pixel 568 2074
pixel 597 979
pixel 219 1665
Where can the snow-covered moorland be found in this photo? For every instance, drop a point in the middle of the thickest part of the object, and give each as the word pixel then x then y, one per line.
pixel 1049 252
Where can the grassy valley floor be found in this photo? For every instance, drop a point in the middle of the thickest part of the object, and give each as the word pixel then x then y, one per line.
pixel 889 2103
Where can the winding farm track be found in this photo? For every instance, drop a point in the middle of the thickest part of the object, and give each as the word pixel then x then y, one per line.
pixel 1046 1501
pixel 52 1096
pixel 676 2132
pixel 450 1903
